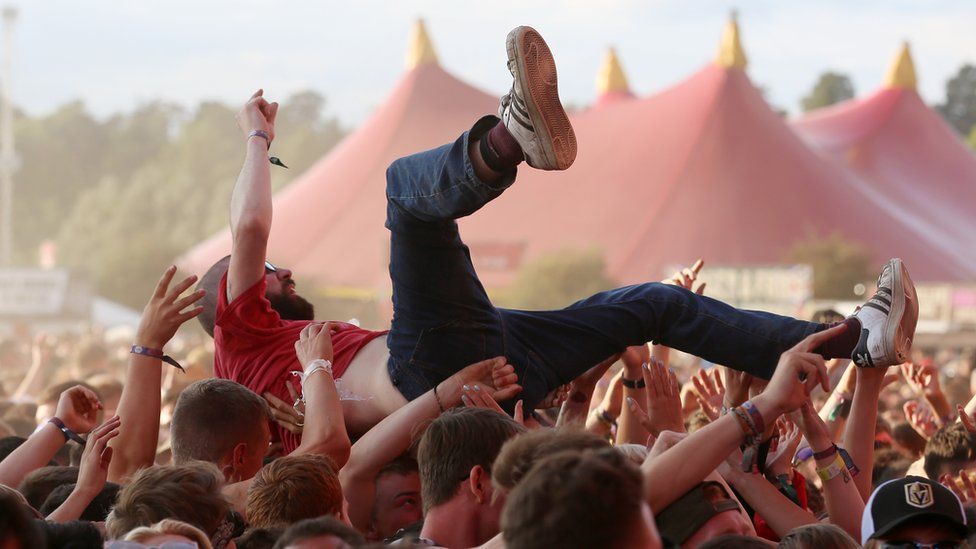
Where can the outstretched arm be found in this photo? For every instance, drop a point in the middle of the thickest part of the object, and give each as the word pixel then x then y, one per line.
pixel 91 474
pixel 135 447
pixel 250 203
pixel 861 425
pixel 393 436
pixel 324 431
pixel 77 409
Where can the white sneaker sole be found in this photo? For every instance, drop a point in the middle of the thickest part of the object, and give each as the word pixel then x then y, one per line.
pixel 537 79
pixel 899 329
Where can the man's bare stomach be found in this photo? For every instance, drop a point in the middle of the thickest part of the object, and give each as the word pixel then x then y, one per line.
pixel 367 378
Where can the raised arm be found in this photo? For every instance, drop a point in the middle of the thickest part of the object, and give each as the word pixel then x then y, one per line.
pixel 139 406
pixel 77 410
pixel 393 436
pixel 861 425
pixel 844 503
pixel 677 470
pixel 92 472
pixel 324 431
pixel 250 203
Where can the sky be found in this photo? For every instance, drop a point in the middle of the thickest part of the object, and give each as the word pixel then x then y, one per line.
pixel 117 54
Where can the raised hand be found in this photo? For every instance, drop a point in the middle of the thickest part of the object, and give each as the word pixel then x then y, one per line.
pixel 709 391
pixel 93 470
pixel 921 418
pixel 798 372
pixel 736 387
pixel 686 278
pixel 787 440
pixel 968 421
pixel 78 408
pixel 495 375
pixel 315 342
pixel 167 311
pixel 922 378
pixel 663 401
pixel 963 485
pixel 289 416
pixel 258 114
pixel 664 442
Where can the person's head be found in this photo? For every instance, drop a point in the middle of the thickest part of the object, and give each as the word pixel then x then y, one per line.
pixel 580 499
pixel 455 455
pixel 259 538
pixel 190 492
pixel 293 488
pixel 397 502
pixel 224 423
pixel 912 509
pixel 950 449
pixel 816 536
pixel 96 511
pixel 735 541
pixel 168 531
pixel 280 291
pixel 889 464
pixel 704 512
pixel 520 454
pixel 320 533
pixel 17 527
pixel 9 444
pixel 39 483
pixel 905 439
pixel 75 533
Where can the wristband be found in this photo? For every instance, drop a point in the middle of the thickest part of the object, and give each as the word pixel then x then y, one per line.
pixel 633 383
pixel 829 452
pixel 317 365
pixel 260 133
pixel 835 469
pixel 156 353
pixel 68 433
pixel 757 420
pixel 848 462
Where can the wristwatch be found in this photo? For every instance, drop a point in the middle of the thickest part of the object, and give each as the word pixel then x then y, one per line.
pixel 68 433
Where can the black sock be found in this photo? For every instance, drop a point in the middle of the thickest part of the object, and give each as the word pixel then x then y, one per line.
pixel 499 150
pixel 843 345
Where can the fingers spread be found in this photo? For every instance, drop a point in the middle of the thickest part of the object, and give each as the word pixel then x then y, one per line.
pixel 164 281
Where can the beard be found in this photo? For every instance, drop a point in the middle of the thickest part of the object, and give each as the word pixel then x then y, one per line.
pixel 292 307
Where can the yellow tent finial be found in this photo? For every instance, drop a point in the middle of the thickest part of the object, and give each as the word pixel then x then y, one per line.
pixel 611 77
pixel 730 52
pixel 901 72
pixel 421 50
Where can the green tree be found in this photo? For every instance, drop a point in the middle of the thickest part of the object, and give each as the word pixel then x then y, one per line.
pixel 959 108
pixel 972 139
pixel 838 264
pixel 831 87
pixel 556 280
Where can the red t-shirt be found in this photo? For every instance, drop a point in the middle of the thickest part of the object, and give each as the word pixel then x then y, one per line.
pixel 256 348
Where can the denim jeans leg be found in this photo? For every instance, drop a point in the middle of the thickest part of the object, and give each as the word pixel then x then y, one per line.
pixel 443 319
pixel 563 344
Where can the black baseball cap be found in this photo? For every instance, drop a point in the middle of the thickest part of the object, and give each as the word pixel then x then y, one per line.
pixel 680 520
pixel 897 501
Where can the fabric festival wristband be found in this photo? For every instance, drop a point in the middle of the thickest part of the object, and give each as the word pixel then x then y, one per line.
pixel 848 462
pixel 68 433
pixel 262 134
pixel 757 419
pixel 836 468
pixel 633 383
pixel 829 452
pixel 156 353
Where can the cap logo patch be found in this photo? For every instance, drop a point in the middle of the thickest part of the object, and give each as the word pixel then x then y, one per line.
pixel 919 494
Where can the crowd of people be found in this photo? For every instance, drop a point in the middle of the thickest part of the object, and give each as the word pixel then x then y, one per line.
pixel 647 416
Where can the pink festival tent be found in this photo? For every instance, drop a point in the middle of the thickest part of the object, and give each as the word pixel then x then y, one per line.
pixel 702 169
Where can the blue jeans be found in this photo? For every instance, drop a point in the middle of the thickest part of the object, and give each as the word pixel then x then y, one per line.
pixel 443 319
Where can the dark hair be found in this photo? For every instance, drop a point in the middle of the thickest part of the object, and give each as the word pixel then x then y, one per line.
pixel 575 499
pixel 951 448
pixel 454 443
pixel 9 444
pixel 906 435
pixel 889 464
pixel 96 511
pixel 39 484
pixel 211 417
pixel 210 282
pixel 519 454
pixel 402 465
pixel 75 534
pixel 322 526
pixel 17 523
pixel 735 541
pixel 259 538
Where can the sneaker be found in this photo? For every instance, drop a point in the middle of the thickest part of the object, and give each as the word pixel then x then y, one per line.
pixel 531 111
pixel 887 320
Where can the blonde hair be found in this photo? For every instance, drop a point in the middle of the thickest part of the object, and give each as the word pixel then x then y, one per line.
pixel 293 488
pixel 636 453
pixel 813 536
pixel 170 527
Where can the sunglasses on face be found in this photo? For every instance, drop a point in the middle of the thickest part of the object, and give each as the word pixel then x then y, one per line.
pixel 269 267
pixel 908 544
